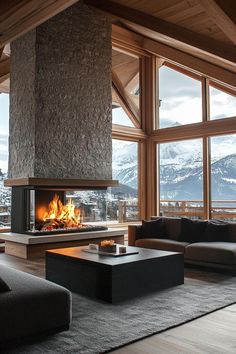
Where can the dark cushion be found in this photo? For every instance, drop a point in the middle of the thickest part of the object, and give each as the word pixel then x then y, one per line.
pixel 162 244
pixel 153 228
pixel 172 226
pixel 3 286
pixel 34 306
pixel 192 230
pixel 139 232
pixel 212 252
pixel 232 231
pixel 216 232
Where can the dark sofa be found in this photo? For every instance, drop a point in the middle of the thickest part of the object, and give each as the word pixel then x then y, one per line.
pixel 32 307
pixel 208 243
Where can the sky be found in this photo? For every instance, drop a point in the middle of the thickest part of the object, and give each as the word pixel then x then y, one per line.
pixel 181 101
pixel 4 131
pixel 4 114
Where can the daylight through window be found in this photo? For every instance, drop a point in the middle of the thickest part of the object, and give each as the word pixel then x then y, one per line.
pixel 181 179
pixel 5 193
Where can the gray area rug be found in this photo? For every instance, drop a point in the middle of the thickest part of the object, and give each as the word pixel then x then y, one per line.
pixel 98 327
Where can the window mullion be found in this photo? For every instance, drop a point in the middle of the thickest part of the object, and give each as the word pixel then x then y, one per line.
pixel 206 151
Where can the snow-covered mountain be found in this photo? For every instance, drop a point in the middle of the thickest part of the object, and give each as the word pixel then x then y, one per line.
pixel 124 164
pixel 181 173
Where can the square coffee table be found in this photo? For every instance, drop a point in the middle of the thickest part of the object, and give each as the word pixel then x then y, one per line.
pixel 114 279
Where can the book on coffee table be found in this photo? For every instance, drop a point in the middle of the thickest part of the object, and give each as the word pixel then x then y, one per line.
pixel 112 254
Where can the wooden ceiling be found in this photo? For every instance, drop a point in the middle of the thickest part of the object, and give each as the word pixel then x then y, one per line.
pixel 125 81
pixel 18 17
pixel 194 15
pixel 204 29
pixel 4 69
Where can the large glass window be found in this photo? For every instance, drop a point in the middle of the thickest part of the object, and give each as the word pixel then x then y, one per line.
pixel 123 200
pixel 126 88
pixel 181 178
pixel 180 98
pixel 222 104
pixel 126 69
pixel 223 177
pixel 5 194
pixel 119 116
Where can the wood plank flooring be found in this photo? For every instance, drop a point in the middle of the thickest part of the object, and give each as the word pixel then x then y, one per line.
pixel 213 333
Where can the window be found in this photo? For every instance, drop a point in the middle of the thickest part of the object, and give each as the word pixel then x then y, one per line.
pixel 125 89
pixel 119 116
pixel 5 193
pixel 222 104
pixel 180 98
pixel 223 177
pixel 123 200
pixel 181 178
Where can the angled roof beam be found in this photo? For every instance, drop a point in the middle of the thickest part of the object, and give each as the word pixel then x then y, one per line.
pixel 185 60
pixel 1 51
pixel 133 82
pixel 4 68
pixel 167 29
pixel 18 17
pixel 126 100
pixel 220 17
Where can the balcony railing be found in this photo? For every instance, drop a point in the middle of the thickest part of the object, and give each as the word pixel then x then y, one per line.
pixel 220 209
pixel 127 211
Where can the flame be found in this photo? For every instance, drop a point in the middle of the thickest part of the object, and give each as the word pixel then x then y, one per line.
pixel 61 216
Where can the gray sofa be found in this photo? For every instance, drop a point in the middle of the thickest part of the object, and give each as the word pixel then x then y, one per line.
pixel 33 307
pixel 219 251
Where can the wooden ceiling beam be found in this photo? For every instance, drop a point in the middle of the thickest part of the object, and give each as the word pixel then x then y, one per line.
pixel 176 56
pixel 1 51
pixel 4 67
pixel 167 29
pixel 4 78
pixel 133 82
pixel 18 17
pixel 126 100
pixel 4 85
pixel 220 17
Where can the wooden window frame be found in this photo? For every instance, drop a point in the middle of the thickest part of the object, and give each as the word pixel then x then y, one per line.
pixel 149 136
pixel 204 130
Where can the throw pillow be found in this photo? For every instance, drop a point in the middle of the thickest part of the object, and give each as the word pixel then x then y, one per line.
pixel 216 232
pixel 3 286
pixel 139 232
pixel 192 230
pixel 153 228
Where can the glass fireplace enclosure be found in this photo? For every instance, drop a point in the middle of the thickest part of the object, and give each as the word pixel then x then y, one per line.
pixel 45 210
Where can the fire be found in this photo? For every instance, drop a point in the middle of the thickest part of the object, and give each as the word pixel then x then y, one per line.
pixel 61 216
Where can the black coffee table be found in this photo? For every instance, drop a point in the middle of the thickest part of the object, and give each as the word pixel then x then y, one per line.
pixel 114 279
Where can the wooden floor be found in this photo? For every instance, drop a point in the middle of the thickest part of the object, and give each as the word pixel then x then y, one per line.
pixel 213 333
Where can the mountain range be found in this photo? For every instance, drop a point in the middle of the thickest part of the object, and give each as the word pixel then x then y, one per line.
pixel 181 175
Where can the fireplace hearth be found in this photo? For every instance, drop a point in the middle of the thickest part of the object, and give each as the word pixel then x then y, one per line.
pixel 70 206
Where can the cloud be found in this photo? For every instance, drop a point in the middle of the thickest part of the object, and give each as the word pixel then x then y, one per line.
pixel 174 84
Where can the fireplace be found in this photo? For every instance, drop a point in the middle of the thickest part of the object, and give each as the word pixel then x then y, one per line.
pixel 68 206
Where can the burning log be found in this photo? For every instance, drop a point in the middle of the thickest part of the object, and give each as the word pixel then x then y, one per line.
pixel 60 216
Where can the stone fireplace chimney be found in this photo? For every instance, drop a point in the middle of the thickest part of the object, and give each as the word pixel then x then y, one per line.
pixel 60 98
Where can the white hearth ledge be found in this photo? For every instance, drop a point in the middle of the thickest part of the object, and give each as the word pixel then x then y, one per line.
pixel 34 240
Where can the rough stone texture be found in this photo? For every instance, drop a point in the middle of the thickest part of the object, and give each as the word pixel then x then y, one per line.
pixel 60 123
pixel 22 107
